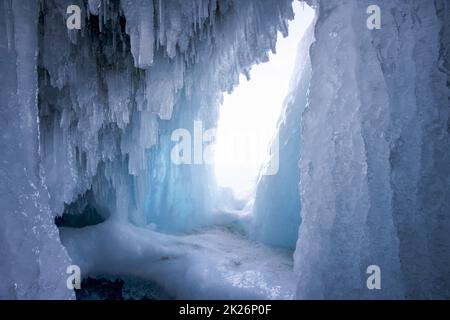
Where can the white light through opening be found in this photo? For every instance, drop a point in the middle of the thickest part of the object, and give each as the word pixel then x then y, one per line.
pixel 249 115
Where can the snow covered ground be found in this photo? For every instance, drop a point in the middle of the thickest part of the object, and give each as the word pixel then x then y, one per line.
pixel 215 263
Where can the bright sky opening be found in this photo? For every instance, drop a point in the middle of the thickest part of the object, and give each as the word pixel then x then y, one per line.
pixel 249 115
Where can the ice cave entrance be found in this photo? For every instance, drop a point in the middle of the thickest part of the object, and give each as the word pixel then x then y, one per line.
pixel 249 115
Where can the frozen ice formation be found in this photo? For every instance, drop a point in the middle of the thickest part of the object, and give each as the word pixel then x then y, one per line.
pixel 32 260
pixel 87 115
pixel 276 209
pixel 375 157
pixel 108 91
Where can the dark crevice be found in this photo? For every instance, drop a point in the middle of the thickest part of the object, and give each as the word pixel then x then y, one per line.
pixel 81 213
pixel 120 288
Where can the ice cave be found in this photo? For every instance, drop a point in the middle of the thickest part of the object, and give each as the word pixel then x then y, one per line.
pixel 224 149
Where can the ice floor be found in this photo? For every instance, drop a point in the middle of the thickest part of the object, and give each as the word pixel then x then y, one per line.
pixel 215 263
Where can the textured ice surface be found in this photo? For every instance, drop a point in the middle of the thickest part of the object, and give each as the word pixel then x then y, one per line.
pixel 32 262
pixel 375 157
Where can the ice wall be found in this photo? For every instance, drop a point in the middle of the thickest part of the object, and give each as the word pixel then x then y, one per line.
pixel 374 168
pixel 276 210
pixel 33 261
